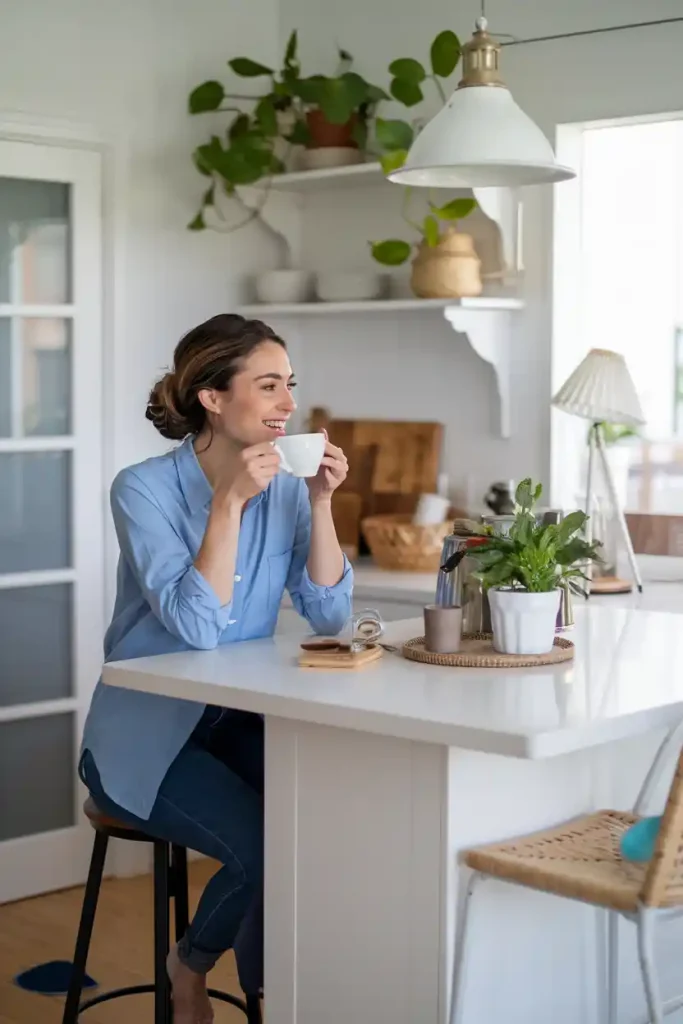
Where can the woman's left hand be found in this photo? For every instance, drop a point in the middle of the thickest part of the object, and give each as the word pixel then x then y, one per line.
pixel 332 472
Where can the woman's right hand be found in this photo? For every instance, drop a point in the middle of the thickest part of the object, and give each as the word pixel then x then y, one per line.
pixel 259 464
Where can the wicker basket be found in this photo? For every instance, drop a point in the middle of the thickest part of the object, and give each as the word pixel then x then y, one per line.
pixel 397 543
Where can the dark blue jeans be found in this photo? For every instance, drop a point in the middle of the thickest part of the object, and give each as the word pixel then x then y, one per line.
pixel 211 800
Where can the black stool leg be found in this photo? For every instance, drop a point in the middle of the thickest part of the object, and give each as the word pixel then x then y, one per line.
pixel 90 898
pixel 180 890
pixel 162 985
pixel 254 1010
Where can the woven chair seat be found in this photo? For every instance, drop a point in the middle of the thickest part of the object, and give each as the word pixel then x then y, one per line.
pixel 579 859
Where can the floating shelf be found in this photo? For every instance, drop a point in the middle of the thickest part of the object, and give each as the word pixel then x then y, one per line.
pixel 485 321
pixel 379 306
pixel 328 178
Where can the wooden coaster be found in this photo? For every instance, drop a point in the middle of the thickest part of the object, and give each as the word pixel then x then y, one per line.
pixel 610 585
pixel 330 654
pixel 476 651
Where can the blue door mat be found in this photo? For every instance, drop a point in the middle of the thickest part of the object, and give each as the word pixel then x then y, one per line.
pixel 50 979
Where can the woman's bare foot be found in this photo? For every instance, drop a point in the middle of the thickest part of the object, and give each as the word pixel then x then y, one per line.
pixel 191 1003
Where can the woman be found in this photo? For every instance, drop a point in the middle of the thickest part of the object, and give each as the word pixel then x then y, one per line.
pixel 211 534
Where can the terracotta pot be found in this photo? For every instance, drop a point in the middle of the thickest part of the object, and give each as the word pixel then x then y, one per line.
pixel 324 134
pixel 451 270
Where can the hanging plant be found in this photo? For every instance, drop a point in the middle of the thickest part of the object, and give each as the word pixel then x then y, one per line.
pixel 290 111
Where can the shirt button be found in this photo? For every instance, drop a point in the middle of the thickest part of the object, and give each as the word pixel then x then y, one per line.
pixel 231 622
pixel 238 578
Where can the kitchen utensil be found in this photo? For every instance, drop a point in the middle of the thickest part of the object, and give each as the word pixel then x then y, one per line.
pixel 455 584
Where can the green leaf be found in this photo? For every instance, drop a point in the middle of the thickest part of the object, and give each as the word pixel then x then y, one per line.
pixel 205 157
pixel 246 68
pixel 407 93
pixel 457 209
pixel 290 52
pixel 393 134
pixel 240 126
pixel 392 253
pixel 430 230
pixel 359 134
pixel 197 224
pixel 445 54
pixel 208 198
pixel 524 496
pixel 299 134
pixel 207 96
pixel 392 161
pixel 375 94
pixel 570 525
pixel 310 90
pixel 266 116
pixel 408 69
pixel 341 97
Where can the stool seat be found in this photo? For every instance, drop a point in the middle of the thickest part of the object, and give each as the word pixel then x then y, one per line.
pixel 102 822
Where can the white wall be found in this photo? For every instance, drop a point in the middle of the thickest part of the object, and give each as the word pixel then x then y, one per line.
pixel 417 368
pixel 119 73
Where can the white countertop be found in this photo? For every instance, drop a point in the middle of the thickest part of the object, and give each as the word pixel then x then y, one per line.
pixel 626 679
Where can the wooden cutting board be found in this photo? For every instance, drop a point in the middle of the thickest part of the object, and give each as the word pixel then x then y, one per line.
pixel 335 655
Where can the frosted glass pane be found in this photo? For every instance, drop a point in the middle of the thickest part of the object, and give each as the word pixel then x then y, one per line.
pixel 35 242
pixel 35 644
pixel 37 775
pixel 35 511
pixel 46 376
pixel 5 378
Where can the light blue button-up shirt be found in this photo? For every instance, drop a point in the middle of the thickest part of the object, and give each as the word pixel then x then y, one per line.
pixel 163 604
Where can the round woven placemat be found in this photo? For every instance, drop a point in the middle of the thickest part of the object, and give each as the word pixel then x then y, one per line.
pixel 476 651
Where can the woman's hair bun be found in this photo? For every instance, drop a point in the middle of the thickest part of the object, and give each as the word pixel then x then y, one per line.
pixel 165 411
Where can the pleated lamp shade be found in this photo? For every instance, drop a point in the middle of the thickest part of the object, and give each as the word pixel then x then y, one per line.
pixel 601 390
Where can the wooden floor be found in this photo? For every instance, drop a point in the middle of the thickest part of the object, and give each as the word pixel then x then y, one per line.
pixel 44 928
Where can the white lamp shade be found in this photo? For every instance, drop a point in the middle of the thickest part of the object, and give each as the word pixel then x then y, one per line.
pixel 481 138
pixel 601 389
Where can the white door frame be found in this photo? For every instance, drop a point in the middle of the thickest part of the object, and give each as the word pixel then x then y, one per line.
pixel 57 859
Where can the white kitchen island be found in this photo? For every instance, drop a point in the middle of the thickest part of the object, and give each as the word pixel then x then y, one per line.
pixel 376 779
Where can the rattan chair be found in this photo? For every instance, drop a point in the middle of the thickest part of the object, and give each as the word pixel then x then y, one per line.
pixel 581 860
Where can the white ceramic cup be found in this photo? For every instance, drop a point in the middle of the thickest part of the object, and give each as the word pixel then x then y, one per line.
pixel 431 510
pixel 301 454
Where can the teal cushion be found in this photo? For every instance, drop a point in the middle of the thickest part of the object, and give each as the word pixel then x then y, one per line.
pixel 638 842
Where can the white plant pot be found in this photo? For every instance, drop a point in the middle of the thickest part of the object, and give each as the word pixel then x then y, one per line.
pixel 523 623
pixel 348 285
pixel 283 286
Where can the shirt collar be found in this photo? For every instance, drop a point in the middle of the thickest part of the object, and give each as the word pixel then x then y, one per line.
pixel 197 490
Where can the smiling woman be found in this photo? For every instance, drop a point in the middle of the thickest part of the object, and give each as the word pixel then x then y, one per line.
pixel 211 534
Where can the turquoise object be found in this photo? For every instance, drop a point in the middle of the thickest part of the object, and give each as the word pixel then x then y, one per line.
pixel 638 842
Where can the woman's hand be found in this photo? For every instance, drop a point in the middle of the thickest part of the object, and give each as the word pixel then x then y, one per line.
pixel 258 465
pixel 332 473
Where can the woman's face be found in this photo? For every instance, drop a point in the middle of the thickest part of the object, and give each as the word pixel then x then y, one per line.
pixel 259 401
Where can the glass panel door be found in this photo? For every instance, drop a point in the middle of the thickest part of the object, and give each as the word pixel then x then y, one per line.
pixel 51 512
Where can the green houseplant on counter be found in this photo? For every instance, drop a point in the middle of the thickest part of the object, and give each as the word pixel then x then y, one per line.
pixel 524 570
pixel 324 114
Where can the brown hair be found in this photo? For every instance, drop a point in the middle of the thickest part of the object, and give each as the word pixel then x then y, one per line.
pixel 208 356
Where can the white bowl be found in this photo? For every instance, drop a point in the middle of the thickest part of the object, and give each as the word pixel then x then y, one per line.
pixel 285 286
pixel 348 285
pixel 330 156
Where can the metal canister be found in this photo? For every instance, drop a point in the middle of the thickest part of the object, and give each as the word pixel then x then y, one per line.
pixel 455 584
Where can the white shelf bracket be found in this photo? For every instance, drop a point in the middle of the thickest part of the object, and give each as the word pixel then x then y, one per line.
pixel 489 333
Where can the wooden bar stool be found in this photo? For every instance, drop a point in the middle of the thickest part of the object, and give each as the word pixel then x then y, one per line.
pixel 581 860
pixel 170 881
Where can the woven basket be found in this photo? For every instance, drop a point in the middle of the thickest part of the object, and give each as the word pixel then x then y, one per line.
pixel 397 543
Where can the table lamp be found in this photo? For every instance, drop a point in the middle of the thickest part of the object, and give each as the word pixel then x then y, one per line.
pixel 601 390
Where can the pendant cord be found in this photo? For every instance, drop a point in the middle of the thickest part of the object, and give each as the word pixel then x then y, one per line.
pixel 591 31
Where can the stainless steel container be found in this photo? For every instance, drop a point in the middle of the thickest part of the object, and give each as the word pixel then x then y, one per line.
pixel 455 584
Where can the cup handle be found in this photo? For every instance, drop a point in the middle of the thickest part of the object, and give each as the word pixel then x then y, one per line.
pixel 283 461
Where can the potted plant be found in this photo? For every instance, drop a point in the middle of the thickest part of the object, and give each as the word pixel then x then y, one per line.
pixel 524 570
pixel 445 265
pixel 291 111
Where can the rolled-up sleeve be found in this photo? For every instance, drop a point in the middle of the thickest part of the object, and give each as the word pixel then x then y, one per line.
pixel 185 604
pixel 326 609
